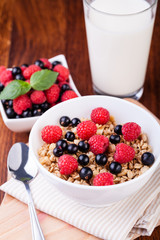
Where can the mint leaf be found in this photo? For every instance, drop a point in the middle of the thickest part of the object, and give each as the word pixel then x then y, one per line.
pixel 43 79
pixel 14 89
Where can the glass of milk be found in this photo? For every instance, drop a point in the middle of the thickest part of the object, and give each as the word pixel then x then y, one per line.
pixel 119 35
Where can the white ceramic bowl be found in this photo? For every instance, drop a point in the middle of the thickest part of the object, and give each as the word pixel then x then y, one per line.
pixel 25 124
pixel 123 111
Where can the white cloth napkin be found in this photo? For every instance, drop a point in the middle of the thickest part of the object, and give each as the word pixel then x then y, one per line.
pixel 137 214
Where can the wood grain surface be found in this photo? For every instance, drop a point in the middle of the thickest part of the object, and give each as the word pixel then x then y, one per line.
pixel 30 29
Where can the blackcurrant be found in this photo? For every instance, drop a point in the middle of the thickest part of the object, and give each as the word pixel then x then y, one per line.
pixel 57 151
pixel 115 167
pixel 75 122
pixel 63 144
pixel 1 87
pixel 44 106
pixel 64 121
pixel 83 146
pixel 37 112
pixel 101 159
pixel 39 63
pixel 118 129
pixel 114 139
pixel 55 63
pixel 86 173
pixel 72 148
pixel 19 77
pixel 35 106
pixel 65 87
pixel 70 136
pixel 24 65
pixel 147 158
pixel 83 159
pixel 27 113
pixel 16 70
pixel 10 103
pixel 10 113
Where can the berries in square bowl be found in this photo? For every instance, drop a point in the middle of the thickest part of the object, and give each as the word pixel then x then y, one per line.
pixel 26 92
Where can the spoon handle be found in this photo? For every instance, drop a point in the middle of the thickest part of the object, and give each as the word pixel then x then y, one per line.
pixel 36 229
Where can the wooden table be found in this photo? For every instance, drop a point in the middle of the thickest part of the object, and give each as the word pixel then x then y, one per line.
pixel 31 29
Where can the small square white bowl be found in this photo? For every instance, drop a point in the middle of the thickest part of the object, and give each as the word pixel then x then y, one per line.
pixel 25 124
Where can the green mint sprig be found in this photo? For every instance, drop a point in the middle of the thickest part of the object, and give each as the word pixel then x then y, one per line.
pixel 40 81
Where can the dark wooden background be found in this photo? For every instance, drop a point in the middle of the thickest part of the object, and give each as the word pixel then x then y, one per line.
pixel 31 29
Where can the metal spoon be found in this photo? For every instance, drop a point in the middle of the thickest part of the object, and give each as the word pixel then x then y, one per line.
pixel 24 170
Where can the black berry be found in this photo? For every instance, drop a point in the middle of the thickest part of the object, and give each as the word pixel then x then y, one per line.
pixel 115 167
pixel 19 77
pixel 44 106
pixel 63 144
pixel 27 113
pixel 55 63
pixel 65 87
pixel 37 112
pixel 83 159
pixel 10 113
pixel 75 122
pixel 118 129
pixel 70 136
pixel 39 63
pixel 16 70
pixel 147 158
pixel 114 139
pixel 83 146
pixel 57 151
pixel 101 159
pixel 24 65
pixel 10 103
pixel 1 87
pixel 64 121
pixel 86 173
pixel 72 148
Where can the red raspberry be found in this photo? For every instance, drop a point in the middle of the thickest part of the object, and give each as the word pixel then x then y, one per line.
pixel 86 129
pixel 2 68
pixel 100 115
pixel 131 131
pixel 67 164
pixel 63 72
pixel 23 68
pixel 27 73
pixel 8 83
pixel 6 76
pixel 69 94
pixel 124 153
pixel 98 144
pixel 103 179
pixel 21 103
pixel 38 97
pixel 52 93
pixel 51 133
pixel 47 64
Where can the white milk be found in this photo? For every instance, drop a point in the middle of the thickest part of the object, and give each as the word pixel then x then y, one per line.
pixel 119 44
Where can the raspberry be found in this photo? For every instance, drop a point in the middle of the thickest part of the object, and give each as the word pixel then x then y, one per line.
pixel 27 73
pixel 38 97
pixel 23 68
pixel 2 68
pixel 21 103
pixel 8 83
pixel 98 144
pixel 51 133
pixel 124 153
pixel 67 164
pixel 103 179
pixel 86 129
pixel 52 93
pixel 100 115
pixel 47 64
pixel 69 94
pixel 63 72
pixel 6 76
pixel 131 131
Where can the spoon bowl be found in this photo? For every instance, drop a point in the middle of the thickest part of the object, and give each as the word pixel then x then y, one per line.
pixel 24 170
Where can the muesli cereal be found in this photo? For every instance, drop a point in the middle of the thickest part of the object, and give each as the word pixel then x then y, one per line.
pixel 95 151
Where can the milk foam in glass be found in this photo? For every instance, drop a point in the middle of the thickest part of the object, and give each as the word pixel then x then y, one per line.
pixel 119 36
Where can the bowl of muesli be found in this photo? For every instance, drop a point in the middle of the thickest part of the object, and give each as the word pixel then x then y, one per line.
pixel 96 150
